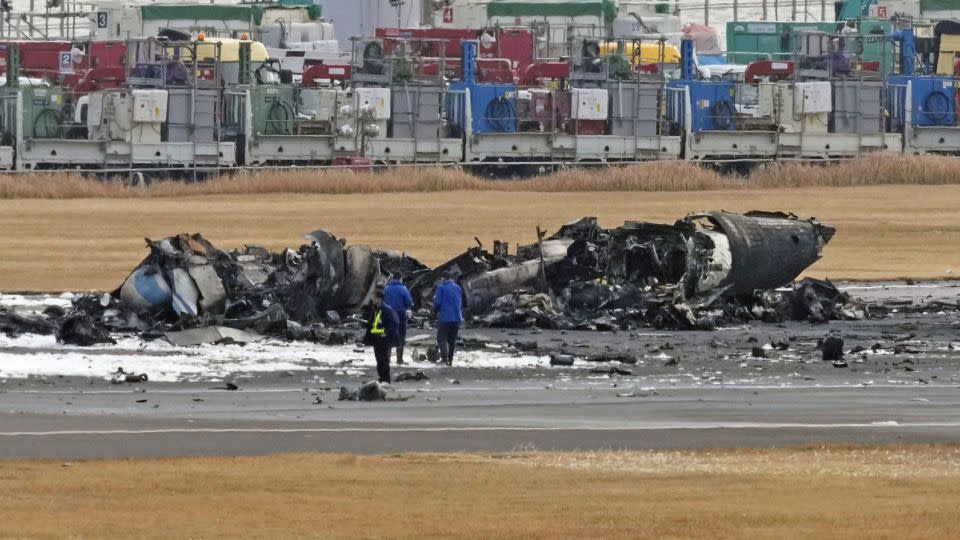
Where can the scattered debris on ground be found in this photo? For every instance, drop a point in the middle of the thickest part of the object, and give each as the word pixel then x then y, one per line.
pixel 371 391
pixel 640 393
pixel 406 376
pixel 612 370
pixel 833 348
pixel 79 328
pixel 561 359
pixel 120 376
pixel 209 334
pixel 14 324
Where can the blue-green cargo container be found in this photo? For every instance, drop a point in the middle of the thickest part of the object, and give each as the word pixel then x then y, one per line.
pixel 780 39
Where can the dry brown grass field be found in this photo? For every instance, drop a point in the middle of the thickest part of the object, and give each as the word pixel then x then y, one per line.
pixel 92 243
pixel 652 176
pixel 841 492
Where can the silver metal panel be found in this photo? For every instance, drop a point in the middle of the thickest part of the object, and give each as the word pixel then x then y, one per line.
pixel 346 145
pixel 837 144
pixel 771 145
pixel 857 106
pixel 509 145
pixel 121 154
pixel 731 144
pixel 416 111
pixel 669 147
pixel 287 148
pixel 409 150
pixel 189 119
pixel 634 108
pixel 933 139
pixel 208 148
pixel 559 147
pixel 179 115
pixel 6 157
pixel 185 154
pixel 629 148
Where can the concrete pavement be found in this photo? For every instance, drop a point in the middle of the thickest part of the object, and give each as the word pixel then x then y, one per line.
pixel 274 420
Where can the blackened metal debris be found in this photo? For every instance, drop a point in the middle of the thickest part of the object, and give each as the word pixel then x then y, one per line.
pixel 705 270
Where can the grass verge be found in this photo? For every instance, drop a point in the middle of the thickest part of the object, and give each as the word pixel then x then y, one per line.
pixel 653 176
pixel 838 492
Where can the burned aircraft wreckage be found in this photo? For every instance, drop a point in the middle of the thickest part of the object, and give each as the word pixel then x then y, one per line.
pixel 706 269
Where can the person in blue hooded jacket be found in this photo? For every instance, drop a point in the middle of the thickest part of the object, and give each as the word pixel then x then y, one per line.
pixel 448 302
pixel 397 296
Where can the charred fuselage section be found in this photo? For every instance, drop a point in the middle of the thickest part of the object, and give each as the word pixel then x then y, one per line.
pixel 706 269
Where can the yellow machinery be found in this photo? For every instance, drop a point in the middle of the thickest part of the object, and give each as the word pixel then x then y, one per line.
pixel 650 52
pixel 949 47
pixel 229 50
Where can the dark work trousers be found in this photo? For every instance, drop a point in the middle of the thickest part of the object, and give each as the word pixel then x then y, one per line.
pixel 447 340
pixel 382 354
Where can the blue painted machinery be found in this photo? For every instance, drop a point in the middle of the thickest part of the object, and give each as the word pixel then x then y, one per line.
pixel 711 102
pixel 933 98
pixel 493 106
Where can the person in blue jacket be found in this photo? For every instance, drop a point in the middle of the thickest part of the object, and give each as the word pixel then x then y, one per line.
pixel 397 296
pixel 448 302
pixel 381 334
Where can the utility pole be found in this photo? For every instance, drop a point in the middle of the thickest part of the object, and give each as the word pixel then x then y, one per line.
pixel 398 5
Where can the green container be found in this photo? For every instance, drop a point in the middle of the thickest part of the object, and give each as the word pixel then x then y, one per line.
pixel 776 38
pixel 43 113
pixel 274 108
pixel 781 39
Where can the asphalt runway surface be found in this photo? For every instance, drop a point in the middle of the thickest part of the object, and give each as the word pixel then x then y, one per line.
pixel 465 418
pixel 685 390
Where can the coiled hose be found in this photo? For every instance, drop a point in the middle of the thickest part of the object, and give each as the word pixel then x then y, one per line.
pixel 501 114
pixel 372 59
pixel 938 107
pixel 723 112
pixel 46 125
pixel 279 119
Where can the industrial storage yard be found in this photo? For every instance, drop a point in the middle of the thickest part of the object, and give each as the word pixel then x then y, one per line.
pixel 501 87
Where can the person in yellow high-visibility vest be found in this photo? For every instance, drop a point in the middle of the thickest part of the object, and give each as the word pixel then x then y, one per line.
pixel 382 334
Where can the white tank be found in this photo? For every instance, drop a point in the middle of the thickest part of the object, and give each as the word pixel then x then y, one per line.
pixel 461 14
pixel 363 17
pixel 643 8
